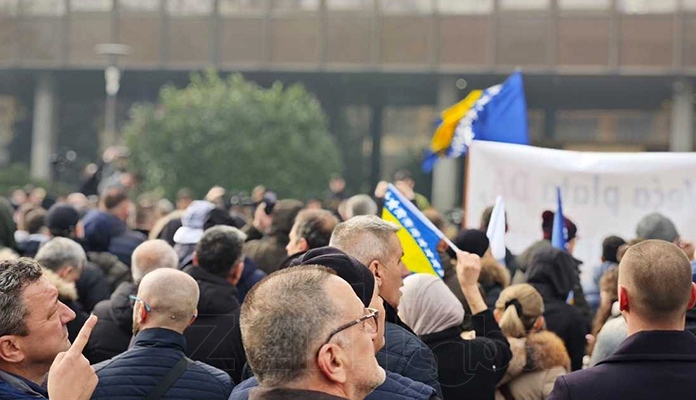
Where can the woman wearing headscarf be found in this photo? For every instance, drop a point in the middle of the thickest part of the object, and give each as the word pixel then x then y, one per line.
pixel 466 368
pixel 554 274
pixel 538 356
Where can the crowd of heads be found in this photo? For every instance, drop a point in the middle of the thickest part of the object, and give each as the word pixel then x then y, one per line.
pixel 313 290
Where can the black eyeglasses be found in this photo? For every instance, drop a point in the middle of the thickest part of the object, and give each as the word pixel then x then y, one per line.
pixel 370 324
pixel 136 298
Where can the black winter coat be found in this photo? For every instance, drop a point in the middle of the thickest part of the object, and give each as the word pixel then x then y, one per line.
pixel 406 354
pixel 554 274
pixel 215 338
pixel 114 330
pixel 135 373
pixel 647 365
pixel 92 286
pixel 471 369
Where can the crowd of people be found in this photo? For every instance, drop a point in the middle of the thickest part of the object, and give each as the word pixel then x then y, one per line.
pixel 113 297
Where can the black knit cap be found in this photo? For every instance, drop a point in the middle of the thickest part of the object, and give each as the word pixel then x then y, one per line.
pixel 472 241
pixel 62 219
pixel 351 270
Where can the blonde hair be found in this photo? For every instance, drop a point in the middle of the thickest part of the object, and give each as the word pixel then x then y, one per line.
pixel 516 321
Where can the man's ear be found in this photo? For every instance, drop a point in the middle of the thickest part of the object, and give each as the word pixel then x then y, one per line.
pixel 195 259
pixel 539 324
pixel 10 349
pixel 375 268
pixel 140 312
pixel 236 273
pixel 302 245
pixel 193 318
pixel 692 300
pixel 332 363
pixel 623 298
pixel 65 271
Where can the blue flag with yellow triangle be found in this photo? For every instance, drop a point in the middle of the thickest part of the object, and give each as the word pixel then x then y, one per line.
pixel 418 236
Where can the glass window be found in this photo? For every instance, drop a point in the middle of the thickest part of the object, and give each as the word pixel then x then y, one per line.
pixel 140 5
pixel 407 6
pixel 406 131
pixel 91 5
pixel 8 7
pixel 236 7
pixel 301 5
pixel 349 5
pixel 584 5
pixel 465 7
pixel 647 6
pixel 524 5
pixel 42 7
pixel 189 8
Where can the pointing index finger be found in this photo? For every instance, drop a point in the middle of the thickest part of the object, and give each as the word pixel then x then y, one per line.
pixel 83 337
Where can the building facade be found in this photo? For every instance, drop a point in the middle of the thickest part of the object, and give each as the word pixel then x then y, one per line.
pixel 609 74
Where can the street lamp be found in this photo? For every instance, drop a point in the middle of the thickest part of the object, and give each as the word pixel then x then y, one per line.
pixel 112 77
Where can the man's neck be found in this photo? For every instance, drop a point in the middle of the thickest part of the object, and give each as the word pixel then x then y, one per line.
pixel 36 374
pixel 319 386
pixel 177 329
pixel 634 325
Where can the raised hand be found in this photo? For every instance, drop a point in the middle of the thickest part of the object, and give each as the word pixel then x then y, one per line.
pixel 71 377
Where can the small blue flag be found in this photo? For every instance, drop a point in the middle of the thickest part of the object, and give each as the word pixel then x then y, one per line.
pixel 559 235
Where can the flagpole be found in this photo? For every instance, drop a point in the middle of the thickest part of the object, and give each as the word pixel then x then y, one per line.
pixel 466 187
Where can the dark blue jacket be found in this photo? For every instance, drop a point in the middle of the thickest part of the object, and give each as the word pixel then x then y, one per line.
pixel 135 373
pixel 17 388
pixel 647 365
pixel 395 387
pixel 250 277
pixel 405 353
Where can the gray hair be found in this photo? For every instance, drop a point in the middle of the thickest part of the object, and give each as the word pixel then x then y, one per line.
pixel 151 255
pixel 283 319
pixel 61 252
pixel 15 276
pixel 364 237
pixel 360 204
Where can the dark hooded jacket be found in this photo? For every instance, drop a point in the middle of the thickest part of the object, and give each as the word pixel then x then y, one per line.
pixel 250 277
pixel 105 232
pixel 112 334
pixel 554 273
pixel 269 251
pixel 215 338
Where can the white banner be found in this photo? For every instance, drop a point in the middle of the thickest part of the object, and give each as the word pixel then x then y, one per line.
pixel 603 193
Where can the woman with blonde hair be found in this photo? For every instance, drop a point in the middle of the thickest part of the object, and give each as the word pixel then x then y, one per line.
pixel 538 356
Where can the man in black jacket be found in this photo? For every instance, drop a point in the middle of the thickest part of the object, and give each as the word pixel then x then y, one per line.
pixel 658 359
pixel 374 243
pixel 164 307
pixel 112 334
pixel 215 337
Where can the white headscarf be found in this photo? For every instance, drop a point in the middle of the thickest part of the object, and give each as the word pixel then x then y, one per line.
pixel 428 306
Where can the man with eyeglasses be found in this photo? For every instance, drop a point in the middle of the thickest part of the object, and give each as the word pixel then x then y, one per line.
pixel 156 365
pixel 320 350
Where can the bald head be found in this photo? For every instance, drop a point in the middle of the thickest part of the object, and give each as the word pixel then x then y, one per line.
pixel 151 255
pixel 172 296
pixel 656 276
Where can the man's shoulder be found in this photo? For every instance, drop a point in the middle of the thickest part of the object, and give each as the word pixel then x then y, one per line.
pixel 213 374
